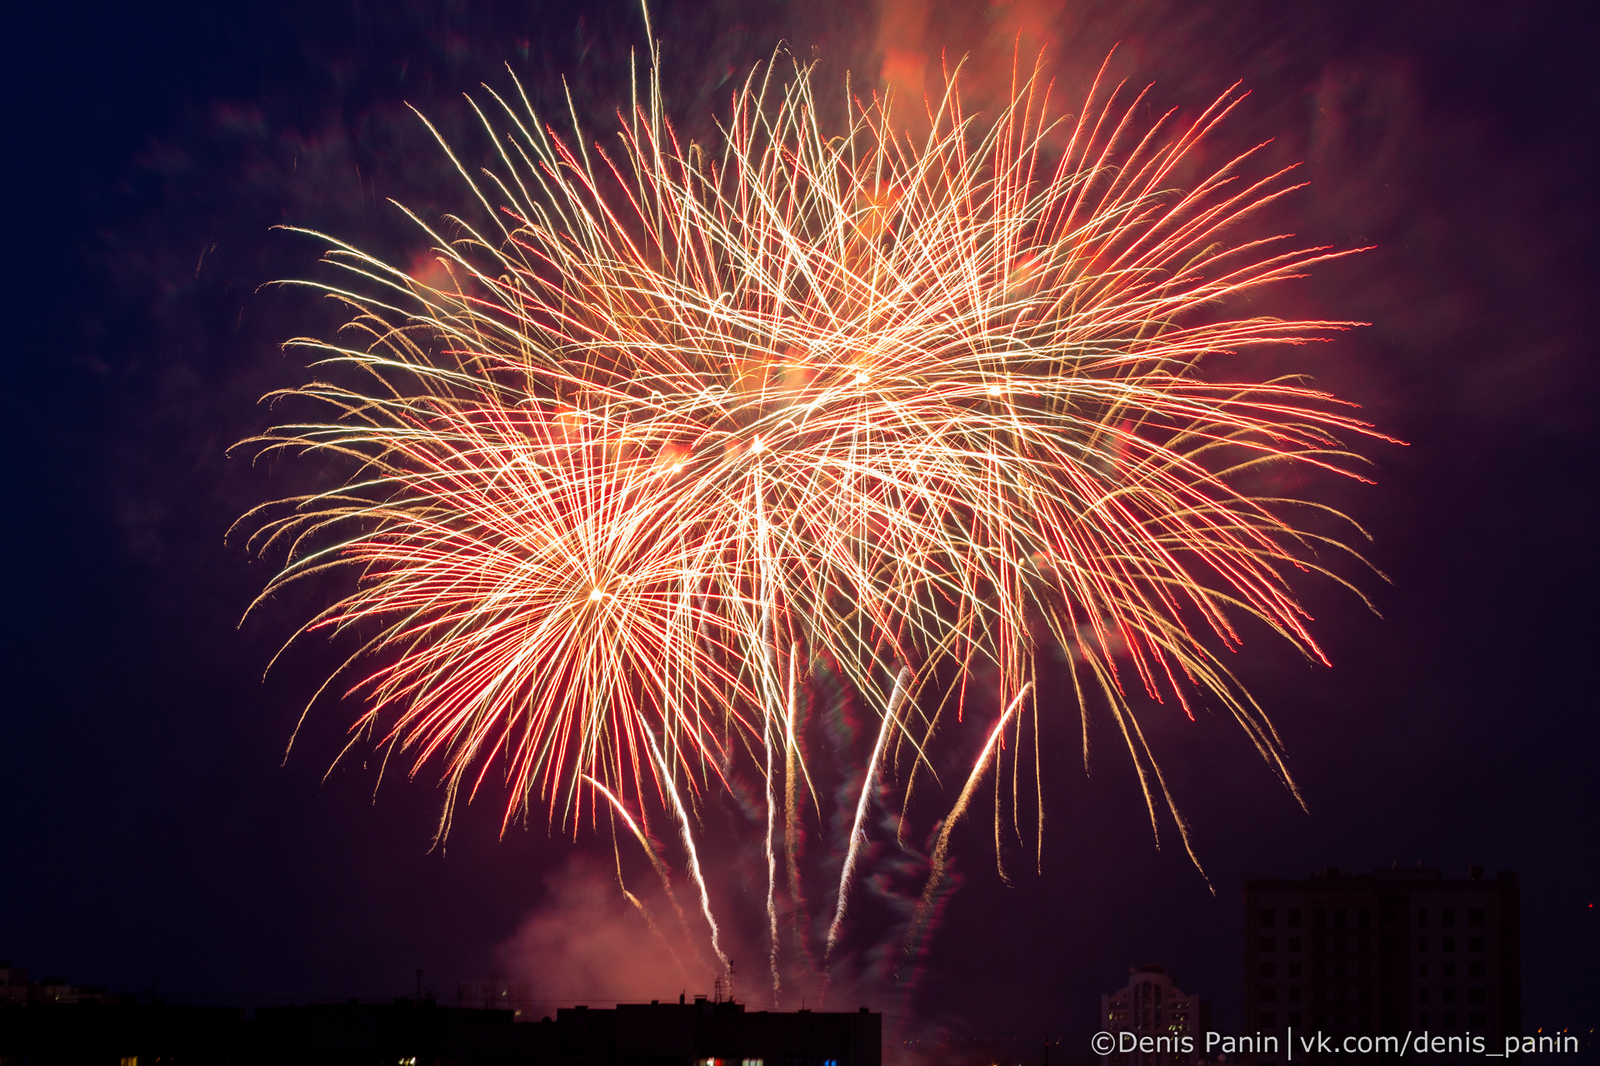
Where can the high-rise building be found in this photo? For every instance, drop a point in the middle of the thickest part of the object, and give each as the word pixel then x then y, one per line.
pixel 1153 1021
pixel 1390 952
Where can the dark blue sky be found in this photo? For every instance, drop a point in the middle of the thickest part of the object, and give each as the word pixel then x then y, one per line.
pixel 152 830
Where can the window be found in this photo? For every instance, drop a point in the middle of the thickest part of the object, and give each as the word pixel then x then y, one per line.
pixel 1294 996
pixel 1319 918
pixel 1422 943
pixel 1269 918
pixel 1321 996
pixel 1449 995
pixel 1422 917
pixel 1449 1019
pixel 1294 943
pixel 1294 969
pixel 1339 946
pixel 1474 969
pixel 1422 970
pixel 1341 1021
pixel 1268 1019
pixel 1340 919
pixel 1474 943
pixel 1319 945
pixel 1449 969
pixel 1447 917
pixel 1475 995
pixel 1364 919
pixel 1269 969
pixel 1363 944
pixel 1475 916
pixel 1294 1020
pixel 1422 1019
pixel 1475 1019
pixel 1294 918
pixel 1449 943
pixel 1268 994
pixel 1422 995
pixel 1321 969
pixel 1269 943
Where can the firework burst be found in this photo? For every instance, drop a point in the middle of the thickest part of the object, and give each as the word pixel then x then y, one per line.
pixel 690 418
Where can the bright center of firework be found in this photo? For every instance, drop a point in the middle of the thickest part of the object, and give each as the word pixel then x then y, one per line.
pixel 756 446
pixel 861 377
pixel 595 596
pixel 994 390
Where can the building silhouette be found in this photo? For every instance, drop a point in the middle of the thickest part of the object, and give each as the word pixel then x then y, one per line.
pixel 413 1032
pixel 1155 1022
pixel 1390 952
pixel 16 989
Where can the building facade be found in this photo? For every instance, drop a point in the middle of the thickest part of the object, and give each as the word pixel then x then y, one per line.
pixel 1387 953
pixel 1153 1021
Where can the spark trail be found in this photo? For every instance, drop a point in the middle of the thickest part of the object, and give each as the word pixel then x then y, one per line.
pixel 857 832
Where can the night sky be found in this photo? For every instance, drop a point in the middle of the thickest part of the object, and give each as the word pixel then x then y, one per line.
pixel 154 835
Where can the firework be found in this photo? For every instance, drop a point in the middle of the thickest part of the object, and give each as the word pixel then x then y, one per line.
pixel 689 418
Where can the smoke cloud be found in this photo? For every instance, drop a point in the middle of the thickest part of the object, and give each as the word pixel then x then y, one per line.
pixel 587 942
